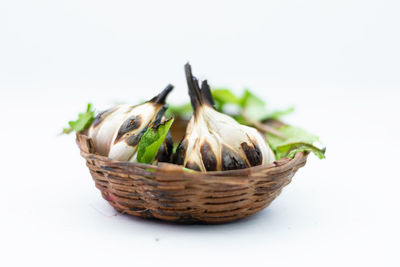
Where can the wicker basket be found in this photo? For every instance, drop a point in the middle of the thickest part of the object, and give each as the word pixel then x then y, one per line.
pixel 168 192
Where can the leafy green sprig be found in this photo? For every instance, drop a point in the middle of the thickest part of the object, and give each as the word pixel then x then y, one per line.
pixel 149 144
pixel 248 105
pixel 84 120
pixel 296 140
pixel 152 140
pixel 285 140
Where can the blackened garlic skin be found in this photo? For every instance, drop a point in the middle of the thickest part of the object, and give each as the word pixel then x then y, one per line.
pixel 116 132
pixel 165 152
pixel 215 141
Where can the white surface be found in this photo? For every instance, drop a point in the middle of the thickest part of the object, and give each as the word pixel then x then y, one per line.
pixel 336 61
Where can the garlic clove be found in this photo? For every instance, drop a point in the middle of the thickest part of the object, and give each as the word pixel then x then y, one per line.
pixel 103 127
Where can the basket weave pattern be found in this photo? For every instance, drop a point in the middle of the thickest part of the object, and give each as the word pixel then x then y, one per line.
pixel 168 192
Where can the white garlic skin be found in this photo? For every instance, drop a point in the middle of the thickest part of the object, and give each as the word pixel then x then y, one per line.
pixel 215 141
pixel 105 125
pixel 124 147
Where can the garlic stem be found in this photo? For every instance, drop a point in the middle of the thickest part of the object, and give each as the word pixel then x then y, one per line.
pixel 262 127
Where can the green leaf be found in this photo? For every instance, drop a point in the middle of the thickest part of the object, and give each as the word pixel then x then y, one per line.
pixel 182 111
pixel 67 130
pixel 301 147
pixel 188 170
pixel 242 120
pixel 174 148
pixel 277 114
pixel 84 120
pixel 151 141
pixel 253 106
pixel 296 140
pixel 224 96
pixel 250 104
pixel 249 98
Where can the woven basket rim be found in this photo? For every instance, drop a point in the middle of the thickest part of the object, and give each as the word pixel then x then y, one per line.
pixel 170 167
pixel 168 192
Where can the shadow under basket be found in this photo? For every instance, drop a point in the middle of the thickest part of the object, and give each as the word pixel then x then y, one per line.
pixel 168 192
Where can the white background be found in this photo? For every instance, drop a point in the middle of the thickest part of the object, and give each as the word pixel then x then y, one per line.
pixel 337 61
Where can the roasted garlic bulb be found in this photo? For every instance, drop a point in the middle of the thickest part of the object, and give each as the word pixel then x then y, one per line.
pixel 116 132
pixel 215 141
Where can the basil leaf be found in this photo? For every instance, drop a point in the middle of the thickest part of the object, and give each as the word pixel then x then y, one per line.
pixel 151 141
pixel 224 96
pixel 84 120
pixel 296 140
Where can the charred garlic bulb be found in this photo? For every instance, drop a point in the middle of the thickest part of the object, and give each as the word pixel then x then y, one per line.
pixel 116 132
pixel 125 143
pixel 215 141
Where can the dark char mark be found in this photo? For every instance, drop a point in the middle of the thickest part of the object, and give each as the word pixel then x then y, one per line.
pixel 160 98
pixel 208 157
pixel 207 95
pixel 231 160
pixel 134 139
pixel 165 152
pixel 159 117
pixel 102 115
pixel 193 166
pixel 129 124
pixel 253 154
pixel 180 153
pixel 196 98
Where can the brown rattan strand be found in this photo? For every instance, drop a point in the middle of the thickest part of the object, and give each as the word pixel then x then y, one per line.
pixel 168 192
